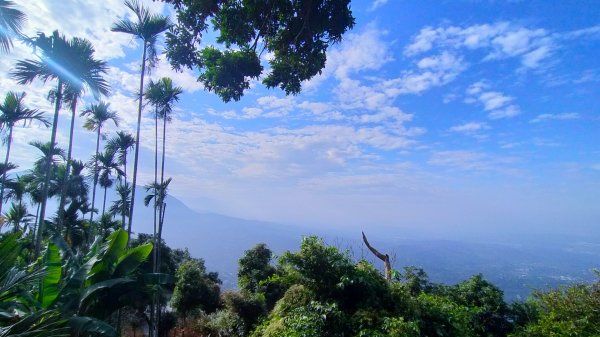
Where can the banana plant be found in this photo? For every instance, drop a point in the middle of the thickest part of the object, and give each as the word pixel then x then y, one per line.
pixel 85 290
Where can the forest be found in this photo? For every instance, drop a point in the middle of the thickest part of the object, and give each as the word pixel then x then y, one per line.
pixel 81 269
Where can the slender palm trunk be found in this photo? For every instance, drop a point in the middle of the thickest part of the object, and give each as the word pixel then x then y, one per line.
pixel 137 142
pixel 95 175
pixel 123 211
pixel 153 307
pixel 104 202
pixel 40 228
pixel 5 167
pixel 63 188
pixel 37 214
pixel 163 209
pixel 155 253
pixel 161 215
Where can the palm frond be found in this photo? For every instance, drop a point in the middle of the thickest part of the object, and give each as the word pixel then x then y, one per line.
pixel 11 23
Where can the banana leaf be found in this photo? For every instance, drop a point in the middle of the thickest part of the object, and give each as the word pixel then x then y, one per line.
pixel 132 260
pixel 103 298
pixel 112 250
pixel 51 281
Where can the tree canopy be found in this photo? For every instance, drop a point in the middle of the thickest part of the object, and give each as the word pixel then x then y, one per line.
pixel 295 35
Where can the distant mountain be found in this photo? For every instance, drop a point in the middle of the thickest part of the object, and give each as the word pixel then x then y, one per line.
pixel 221 240
pixel 517 268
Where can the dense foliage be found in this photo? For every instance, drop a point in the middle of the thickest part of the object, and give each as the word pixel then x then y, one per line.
pixel 297 33
pixel 72 273
pixel 321 291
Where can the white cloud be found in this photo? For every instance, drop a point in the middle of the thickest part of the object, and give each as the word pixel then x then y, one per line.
pixel 384 114
pixel 516 42
pixel 497 104
pixel 251 112
pixel 274 106
pixel 358 52
pixel 505 112
pixel 448 98
pixel 278 152
pixel 536 56
pixel 493 100
pixel 465 160
pixel 470 127
pixel 444 61
pixel 376 4
pixel 477 87
pixel 364 51
pixel 87 19
pixel 560 116
pixel 593 31
pixel 184 79
pixel 501 40
pixel 434 71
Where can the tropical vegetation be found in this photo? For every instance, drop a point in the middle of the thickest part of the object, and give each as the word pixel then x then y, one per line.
pixel 79 270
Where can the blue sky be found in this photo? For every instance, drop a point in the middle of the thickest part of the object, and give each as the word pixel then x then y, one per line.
pixel 470 119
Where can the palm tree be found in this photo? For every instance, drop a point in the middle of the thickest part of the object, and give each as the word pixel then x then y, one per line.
pixel 122 204
pixel 11 23
pixel 107 225
pixel 153 95
pixel 93 69
pixel 4 169
pixel 121 143
pixel 147 28
pixel 158 192
pixel 13 111
pixel 76 188
pixel 106 167
pixel 17 189
pixel 72 65
pixel 162 94
pixel 43 174
pixel 18 215
pixel 97 115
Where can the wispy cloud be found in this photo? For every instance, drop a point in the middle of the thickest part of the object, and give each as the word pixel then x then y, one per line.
pixel 466 160
pixel 470 128
pixel 376 4
pixel 501 40
pixel 432 71
pixel 87 19
pixel 495 103
pixel 556 117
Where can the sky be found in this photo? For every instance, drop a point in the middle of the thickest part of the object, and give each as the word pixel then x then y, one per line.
pixel 457 119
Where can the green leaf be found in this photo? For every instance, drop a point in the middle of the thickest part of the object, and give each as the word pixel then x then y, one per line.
pixel 51 281
pixel 59 241
pixel 102 291
pixel 132 260
pixel 95 248
pixel 113 249
pixel 12 283
pixel 69 294
pixel 39 324
pixel 10 248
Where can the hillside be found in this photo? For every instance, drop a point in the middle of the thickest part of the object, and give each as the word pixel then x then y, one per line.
pixel 516 268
